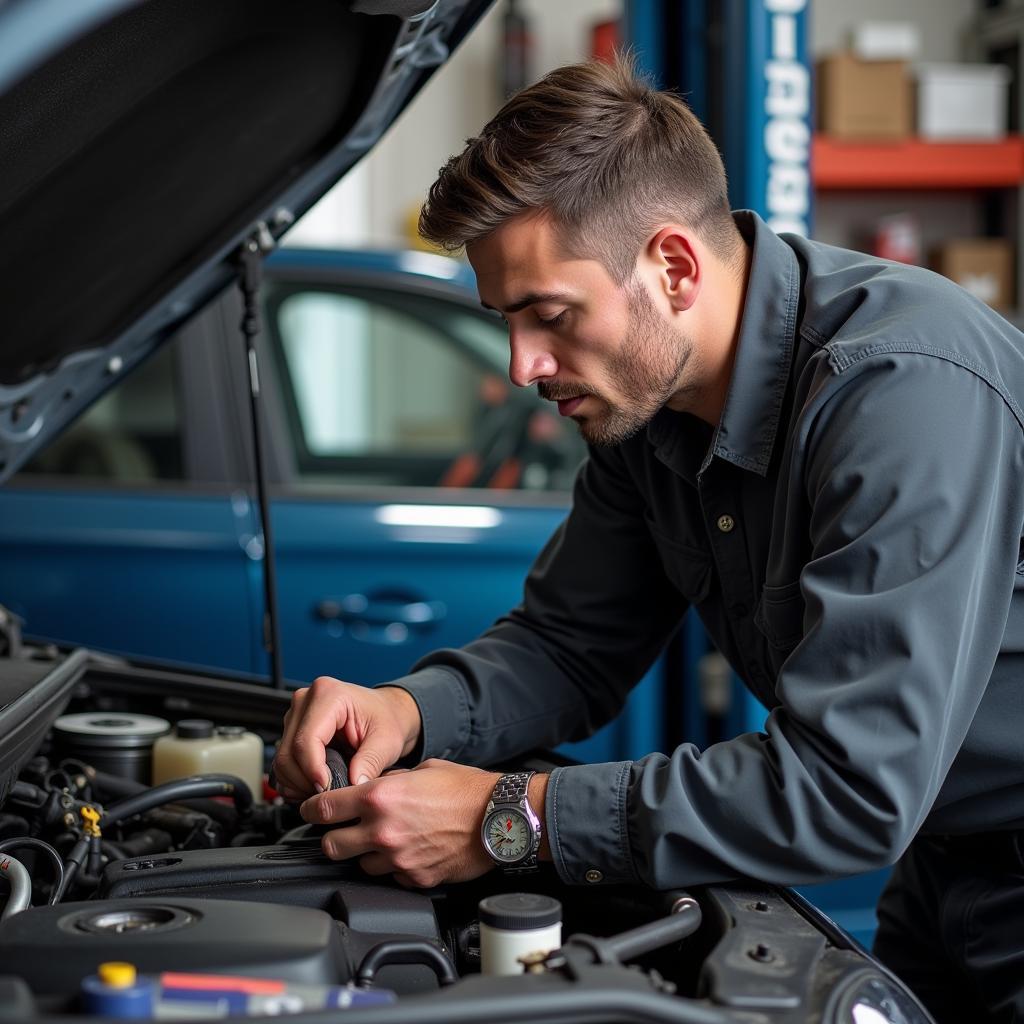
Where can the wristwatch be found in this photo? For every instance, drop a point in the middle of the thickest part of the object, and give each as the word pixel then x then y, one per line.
pixel 511 830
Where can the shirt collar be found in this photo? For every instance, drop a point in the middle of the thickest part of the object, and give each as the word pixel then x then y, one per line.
pixel 753 405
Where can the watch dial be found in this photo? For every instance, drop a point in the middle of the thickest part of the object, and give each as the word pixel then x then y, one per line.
pixel 508 835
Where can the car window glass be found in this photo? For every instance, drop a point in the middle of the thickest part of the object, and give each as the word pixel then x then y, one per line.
pixel 406 391
pixel 133 433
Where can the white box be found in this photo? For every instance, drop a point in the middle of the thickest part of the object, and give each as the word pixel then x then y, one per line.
pixel 886 40
pixel 962 101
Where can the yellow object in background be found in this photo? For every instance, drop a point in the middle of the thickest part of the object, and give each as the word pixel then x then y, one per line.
pixel 117 974
pixel 410 230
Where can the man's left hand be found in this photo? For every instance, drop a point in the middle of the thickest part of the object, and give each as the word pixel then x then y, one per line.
pixel 422 825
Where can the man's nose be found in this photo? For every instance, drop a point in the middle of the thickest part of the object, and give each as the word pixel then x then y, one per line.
pixel 529 360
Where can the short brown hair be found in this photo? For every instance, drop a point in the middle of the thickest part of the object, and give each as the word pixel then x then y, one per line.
pixel 601 151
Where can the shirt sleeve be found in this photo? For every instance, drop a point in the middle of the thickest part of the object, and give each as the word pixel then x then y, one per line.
pixel 596 611
pixel 912 470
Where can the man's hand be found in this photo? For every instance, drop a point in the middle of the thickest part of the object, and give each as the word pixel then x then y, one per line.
pixel 379 726
pixel 421 825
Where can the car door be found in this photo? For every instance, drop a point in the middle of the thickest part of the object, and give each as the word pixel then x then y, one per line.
pixel 391 540
pixel 419 486
pixel 124 534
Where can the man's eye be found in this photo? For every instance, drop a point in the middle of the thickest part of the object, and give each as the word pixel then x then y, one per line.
pixel 555 321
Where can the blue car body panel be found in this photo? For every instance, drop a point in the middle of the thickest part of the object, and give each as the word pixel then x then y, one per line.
pixel 153 576
pixel 463 576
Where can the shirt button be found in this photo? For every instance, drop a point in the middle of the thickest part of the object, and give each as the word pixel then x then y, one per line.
pixel 726 523
pixel 593 875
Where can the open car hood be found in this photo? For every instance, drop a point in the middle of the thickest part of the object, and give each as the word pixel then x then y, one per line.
pixel 145 140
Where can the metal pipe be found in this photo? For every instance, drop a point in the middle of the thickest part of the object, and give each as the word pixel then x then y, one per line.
pixel 20 882
pixel 30 843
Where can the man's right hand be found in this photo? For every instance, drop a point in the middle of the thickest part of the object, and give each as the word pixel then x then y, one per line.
pixel 378 725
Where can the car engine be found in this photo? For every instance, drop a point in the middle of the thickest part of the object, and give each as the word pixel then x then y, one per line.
pixel 198 898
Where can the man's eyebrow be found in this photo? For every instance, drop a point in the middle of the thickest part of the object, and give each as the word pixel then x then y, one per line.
pixel 529 300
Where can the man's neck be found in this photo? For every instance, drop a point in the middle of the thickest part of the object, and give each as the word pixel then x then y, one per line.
pixel 718 343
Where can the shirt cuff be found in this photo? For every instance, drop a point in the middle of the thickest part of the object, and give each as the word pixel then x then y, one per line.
pixel 444 711
pixel 585 814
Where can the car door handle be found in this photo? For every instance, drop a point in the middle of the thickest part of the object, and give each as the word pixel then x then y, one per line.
pixel 384 617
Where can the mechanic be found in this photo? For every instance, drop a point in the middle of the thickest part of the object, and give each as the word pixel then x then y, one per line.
pixel 821 451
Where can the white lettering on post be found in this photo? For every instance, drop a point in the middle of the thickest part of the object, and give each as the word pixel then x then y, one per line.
pixel 787 138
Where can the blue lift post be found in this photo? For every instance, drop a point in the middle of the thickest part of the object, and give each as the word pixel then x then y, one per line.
pixel 744 68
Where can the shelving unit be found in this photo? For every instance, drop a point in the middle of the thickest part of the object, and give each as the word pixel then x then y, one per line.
pixel 917 164
pixel 987 177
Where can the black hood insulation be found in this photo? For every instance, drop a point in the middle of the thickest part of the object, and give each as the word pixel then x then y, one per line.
pixel 140 151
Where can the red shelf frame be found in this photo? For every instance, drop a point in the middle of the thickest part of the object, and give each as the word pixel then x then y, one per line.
pixel 915 163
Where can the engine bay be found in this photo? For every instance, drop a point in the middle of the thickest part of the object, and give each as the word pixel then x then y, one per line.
pixel 215 900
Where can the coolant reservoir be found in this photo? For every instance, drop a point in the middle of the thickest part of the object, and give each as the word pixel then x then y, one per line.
pixel 197 748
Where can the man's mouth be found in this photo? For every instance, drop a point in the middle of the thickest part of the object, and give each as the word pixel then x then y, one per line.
pixel 567 406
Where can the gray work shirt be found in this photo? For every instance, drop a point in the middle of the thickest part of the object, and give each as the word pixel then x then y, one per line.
pixel 850 535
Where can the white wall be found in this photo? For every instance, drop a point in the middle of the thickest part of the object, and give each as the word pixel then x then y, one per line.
pixel 940 22
pixel 455 103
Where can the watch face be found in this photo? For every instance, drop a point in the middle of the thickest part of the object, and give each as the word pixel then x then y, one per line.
pixel 508 835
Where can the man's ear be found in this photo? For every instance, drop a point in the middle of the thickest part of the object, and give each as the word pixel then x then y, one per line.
pixel 675 257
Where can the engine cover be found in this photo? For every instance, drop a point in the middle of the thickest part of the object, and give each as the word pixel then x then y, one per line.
pixel 53 948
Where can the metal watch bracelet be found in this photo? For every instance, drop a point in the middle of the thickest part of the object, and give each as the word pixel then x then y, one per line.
pixel 513 788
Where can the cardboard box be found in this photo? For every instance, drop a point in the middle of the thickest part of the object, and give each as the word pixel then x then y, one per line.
pixel 962 101
pixel 859 99
pixel 983 266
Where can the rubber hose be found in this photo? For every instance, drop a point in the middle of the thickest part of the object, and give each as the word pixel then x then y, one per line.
pixel 406 951
pixel 180 789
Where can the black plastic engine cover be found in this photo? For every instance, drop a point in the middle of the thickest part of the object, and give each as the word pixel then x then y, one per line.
pixel 53 948
pixel 297 874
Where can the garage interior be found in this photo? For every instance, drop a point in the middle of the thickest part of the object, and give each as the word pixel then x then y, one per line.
pixel 410 486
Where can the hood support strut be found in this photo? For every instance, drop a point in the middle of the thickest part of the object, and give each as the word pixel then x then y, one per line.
pixel 250 279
